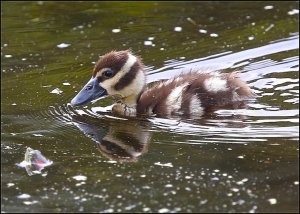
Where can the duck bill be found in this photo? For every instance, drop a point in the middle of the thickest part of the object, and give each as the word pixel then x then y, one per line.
pixel 91 91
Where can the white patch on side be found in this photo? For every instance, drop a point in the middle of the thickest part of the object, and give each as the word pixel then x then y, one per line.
pixel 195 106
pixel 215 84
pixel 174 99
pixel 150 110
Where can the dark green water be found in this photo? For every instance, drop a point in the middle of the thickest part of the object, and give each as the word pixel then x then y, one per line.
pixel 243 160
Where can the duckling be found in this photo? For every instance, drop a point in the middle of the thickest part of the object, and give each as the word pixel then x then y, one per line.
pixel 121 75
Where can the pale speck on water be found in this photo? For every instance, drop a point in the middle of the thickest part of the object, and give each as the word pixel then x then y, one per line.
pixel 23 196
pixel 272 201
pixel 293 12
pixel 269 7
pixel 202 31
pixel 163 210
pixel 56 91
pixel 79 178
pixel 116 30
pixel 63 45
pixel 164 164
pixel 178 29
pixel 38 135
pixel 10 184
pixel 148 43
pixel 213 35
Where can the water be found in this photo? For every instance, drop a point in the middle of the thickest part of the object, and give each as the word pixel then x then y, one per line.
pixel 240 160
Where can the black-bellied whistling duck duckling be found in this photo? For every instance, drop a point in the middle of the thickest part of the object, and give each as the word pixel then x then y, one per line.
pixel 120 74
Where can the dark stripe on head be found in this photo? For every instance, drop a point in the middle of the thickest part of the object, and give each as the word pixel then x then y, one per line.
pixel 129 76
pixel 113 60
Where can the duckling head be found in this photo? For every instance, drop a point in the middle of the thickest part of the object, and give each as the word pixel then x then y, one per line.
pixel 119 74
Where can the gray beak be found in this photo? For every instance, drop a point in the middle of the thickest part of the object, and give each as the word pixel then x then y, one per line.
pixel 89 92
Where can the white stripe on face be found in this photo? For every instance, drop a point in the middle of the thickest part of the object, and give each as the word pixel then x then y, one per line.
pixel 110 83
pixel 129 63
pixel 215 84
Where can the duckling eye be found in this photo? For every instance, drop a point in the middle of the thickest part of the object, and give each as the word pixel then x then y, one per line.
pixel 108 73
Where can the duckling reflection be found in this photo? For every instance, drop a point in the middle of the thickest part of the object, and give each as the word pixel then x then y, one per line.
pixel 116 141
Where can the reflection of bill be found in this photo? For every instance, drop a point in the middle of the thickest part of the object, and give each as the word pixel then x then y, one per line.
pixel 34 162
pixel 120 142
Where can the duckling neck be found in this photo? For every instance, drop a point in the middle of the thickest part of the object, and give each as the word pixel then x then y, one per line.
pixel 127 106
pixel 128 98
pixel 131 101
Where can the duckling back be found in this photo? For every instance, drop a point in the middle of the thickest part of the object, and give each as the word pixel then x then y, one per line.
pixel 194 93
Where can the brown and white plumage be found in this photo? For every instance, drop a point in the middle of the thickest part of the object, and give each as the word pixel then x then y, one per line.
pixel 121 75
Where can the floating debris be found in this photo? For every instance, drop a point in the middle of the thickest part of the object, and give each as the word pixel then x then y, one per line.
pixel 116 30
pixel 269 7
pixel 178 29
pixel 23 196
pixel 38 135
pixel 79 177
pixel 189 19
pixel 63 45
pixel 164 164
pixel 293 12
pixel 10 184
pixel 202 31
pixel 148 43
pixel 214 35
pixel 46 86
pixel 272 200
pixel 56 91
pixel 34 162
pixel 66 83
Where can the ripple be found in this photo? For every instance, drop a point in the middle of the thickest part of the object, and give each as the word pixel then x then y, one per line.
pixel 228 59
pixel 230 130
